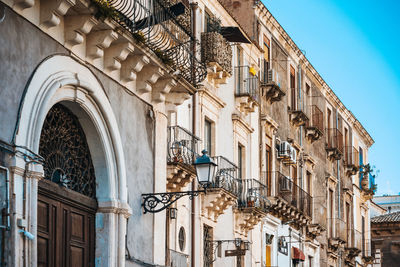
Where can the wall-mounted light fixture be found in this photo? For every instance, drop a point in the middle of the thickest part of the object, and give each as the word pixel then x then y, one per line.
pixel 268 239
pixel 173 213
pixel 205 169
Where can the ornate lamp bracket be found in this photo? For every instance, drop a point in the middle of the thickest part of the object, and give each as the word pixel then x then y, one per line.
pixel 156 202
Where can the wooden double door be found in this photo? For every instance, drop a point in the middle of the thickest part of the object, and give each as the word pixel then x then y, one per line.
pixel 65 226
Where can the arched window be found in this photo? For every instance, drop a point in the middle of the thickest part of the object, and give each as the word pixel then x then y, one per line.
pixel 66 153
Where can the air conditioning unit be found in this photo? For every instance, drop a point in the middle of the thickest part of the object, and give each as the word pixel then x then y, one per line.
pixel 286 184
pixel 293 155
pixel 284 150
pixel 273 76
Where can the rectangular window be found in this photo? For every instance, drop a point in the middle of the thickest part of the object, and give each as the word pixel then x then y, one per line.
pixel 293 88
pixel 310 261
pixel 208 246
pixel 363 235
pixel 329 125
pixel 266 62
pixel 361 158
pixel 308 96
pixel 331 220
pixel 239 71
pixel 208 136
pixel 240 161
pixel 309 181
pixel 295 191
pixel 268 161
pixel 348 223
pixel 329 118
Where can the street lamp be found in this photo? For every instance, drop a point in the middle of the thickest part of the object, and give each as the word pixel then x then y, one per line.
pixel 205 169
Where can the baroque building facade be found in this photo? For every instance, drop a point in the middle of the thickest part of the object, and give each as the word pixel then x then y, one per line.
pixel 106 106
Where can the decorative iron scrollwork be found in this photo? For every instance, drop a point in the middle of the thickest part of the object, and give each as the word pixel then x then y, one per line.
pixel 157 202
pixel 66 154
pixel 164 26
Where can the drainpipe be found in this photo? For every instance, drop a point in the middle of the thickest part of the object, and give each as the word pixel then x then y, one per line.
pixel 301 100
pixel 194 7
pixel 338 171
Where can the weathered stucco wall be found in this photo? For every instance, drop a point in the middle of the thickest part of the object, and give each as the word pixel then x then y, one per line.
pixel 22 48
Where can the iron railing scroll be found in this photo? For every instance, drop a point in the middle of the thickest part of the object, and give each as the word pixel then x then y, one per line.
pixel 334 139
pixel 162 25
pixel 254 194
pixel 183 146
pixel 226 176
pixel 316 118
pixel 246 82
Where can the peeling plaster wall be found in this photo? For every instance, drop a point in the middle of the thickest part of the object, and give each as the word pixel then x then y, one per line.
pixel 22 48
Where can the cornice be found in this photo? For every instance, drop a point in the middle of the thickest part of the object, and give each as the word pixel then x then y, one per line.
pixel 239 121
pixel 204 92
pixel 263 10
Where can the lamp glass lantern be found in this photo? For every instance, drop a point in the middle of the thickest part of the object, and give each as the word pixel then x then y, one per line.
pixel 205 169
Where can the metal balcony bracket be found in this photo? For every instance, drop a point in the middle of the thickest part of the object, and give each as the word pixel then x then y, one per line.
pixel 156 202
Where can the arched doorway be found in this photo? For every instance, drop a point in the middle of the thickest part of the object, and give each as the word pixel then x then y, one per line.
pixel 67 195
pixel 62 80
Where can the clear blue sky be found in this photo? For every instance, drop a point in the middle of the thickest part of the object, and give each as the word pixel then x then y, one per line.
pixel 355 46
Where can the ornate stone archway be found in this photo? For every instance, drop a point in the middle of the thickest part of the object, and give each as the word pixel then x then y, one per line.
pixel 62 79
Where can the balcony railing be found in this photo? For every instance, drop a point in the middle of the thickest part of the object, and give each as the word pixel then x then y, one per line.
pixel 247 83
pixel 334 142
pixel 352 157
pixel 368 252
pixel 215 48
pixel 316 118
pixel 293 194
pixel 226 176
pixel 253 195
pixel 354 239
pixel 271 83
pixel 299 108
pixel 337 229
pixel 164 27
pixel 178 259
pixel 183 146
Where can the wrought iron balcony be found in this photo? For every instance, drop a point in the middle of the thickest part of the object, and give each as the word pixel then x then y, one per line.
pixel 353 243
pixel 337 232
pixel 223 191
pixel 270 84
pixel 217 54
pixel 252 205
pixel 246 88
pixel 351 160
pixel 367 251
pixel 293 194
pixel 253 195
pixel 290 201
pixel 299 110
pixel 161 25
pixel 315 126
pixel 226 176
pixel 183 147
pixel 334 143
